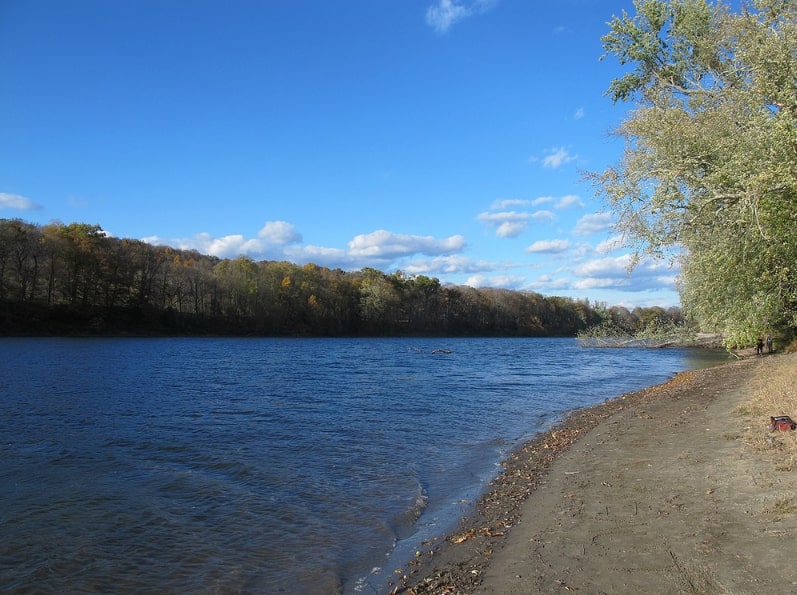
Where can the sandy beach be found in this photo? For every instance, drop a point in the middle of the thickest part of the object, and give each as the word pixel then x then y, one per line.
pixel 658 491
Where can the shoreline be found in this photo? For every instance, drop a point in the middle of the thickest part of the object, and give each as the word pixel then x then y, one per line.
pixel 442 565
pixel 504 528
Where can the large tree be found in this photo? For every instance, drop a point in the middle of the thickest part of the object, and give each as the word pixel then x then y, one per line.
pixel 709 170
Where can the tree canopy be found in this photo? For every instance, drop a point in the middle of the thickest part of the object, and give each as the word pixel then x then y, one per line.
pixel 709 170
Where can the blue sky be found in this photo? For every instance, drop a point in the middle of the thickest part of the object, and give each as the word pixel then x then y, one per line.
pixel 439 137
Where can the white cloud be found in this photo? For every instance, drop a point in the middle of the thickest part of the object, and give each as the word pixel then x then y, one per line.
pixel 511 229
pixel 563 202
pixel 511 224
pixel 543 216
pixel 579 251
pixel 601 283
pixel 320 255
pixel 279 233
pixel 611 274
pixel 496 281
pixel 387 245
pixel 557 158
pixel 605 267
pixel 232 245
pixel 224 247
pixel 616 273
pixel 17 202
pixel 609 245
pixel 580 113
pixel 547 283
pixel 594 223
pixel 548 247
pixel 508 224
pixel 508 203
pixel 569 200
pixel 445 13
pixel 272 242
pixel 448 265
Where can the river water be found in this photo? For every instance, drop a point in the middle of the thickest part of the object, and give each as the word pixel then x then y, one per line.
pixel 210 465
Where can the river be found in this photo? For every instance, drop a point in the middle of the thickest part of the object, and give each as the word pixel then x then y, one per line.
pixel 209 465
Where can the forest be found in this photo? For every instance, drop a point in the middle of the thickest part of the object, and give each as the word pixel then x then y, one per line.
pixel 74 279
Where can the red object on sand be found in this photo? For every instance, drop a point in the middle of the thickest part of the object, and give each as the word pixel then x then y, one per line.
pixel 784 423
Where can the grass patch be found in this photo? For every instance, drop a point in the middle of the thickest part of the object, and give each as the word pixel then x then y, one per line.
pixel 774 392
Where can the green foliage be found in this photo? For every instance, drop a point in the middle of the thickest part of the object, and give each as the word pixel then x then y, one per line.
pixel 709 171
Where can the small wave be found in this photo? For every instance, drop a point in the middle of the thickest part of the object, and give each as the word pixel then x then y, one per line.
pixel 402 523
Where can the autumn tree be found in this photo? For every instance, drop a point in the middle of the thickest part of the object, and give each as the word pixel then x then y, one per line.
pixel 20 259
pixel 709 170
pixel 379 299
pixel 80 251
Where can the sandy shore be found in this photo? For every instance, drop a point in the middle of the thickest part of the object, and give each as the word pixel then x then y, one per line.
pixel 652 492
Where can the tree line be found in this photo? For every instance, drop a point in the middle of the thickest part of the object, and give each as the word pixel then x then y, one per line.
pixel 66 279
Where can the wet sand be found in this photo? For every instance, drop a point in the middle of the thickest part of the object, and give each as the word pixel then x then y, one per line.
pixel 652 492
